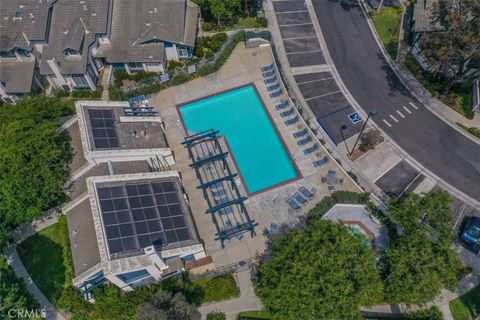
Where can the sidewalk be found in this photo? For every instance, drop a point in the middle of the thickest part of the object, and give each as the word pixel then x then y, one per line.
pixel 13 259
pixel 435 105
pixel 246 302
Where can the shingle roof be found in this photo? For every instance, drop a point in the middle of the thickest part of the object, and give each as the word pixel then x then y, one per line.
pixel 139 29
pixel 68 18
pixel 32 17
pixel 17 75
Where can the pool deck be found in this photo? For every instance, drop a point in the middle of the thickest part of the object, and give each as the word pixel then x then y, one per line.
pixel 243 66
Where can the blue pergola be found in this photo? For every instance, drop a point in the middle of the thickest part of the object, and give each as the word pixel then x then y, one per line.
pixel 206 153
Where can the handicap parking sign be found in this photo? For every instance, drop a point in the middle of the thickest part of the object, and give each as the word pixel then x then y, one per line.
pixel 354 117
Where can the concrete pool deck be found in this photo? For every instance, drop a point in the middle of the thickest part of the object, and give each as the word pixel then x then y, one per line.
pixel 243 66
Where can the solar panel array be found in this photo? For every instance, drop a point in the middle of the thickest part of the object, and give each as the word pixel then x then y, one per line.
pixel 104 130
pixel 138 215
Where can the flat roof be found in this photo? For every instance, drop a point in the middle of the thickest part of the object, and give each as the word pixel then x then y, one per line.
pixel 108 128
pixel 136 214
pixel 83 241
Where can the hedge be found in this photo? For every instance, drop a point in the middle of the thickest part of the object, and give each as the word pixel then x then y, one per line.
pixel 337 197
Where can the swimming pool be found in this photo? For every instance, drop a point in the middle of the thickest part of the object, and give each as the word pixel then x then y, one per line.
pixel 258 151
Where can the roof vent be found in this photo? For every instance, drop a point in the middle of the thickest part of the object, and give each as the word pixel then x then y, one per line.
pixel 85 8
pixel 144 133
pixel 94 14
pixel 147 24
pixel 155 10
pixel 82 2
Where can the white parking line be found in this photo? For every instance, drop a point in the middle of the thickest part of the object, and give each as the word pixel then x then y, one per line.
pixel 414 106
pixel 316 80
pixel 400 114
pixel 294 24
pixel 294 38
pixel 283 12
pixel 297 52
pixel 386 122
pixel 393 118
pixel 323 95
pixel 405 108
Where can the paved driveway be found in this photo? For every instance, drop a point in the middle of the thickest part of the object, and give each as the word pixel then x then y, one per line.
pixel 374 85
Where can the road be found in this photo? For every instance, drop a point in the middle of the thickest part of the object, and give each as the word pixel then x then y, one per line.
pixel 374 85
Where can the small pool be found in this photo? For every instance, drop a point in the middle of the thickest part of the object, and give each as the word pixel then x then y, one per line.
pixel 259 153
pixel 358 230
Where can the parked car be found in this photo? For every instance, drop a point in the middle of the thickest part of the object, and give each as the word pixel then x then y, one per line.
pixel 471 233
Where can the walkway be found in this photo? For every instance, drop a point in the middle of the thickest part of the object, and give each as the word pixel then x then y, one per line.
pixel 19 235
pixel 247 300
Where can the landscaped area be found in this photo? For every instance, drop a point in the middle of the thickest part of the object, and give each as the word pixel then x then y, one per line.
pixel 466 307
pixel 218 288
pixel 474 131
pixel 459 97
pixel 387 22
pixel 41 255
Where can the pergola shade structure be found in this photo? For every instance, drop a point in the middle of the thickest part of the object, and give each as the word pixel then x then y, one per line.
pixel 217 181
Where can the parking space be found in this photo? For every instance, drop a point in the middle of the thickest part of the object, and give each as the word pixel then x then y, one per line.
pixel 297 31
pixel 286 6
pixel 307 77
pixel 332 123
pixel 317 88
pixel 328 104
pixel 305 58
pixel 301 45
pixel 292 18
pixel 397 179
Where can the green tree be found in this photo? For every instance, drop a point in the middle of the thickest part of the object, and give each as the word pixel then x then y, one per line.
pixel 33 158
pixel 13 292
pixel 165 306
pixel 430 213
pixel 415 270
pixel 323 271
pixel 216 315
pixel 458 43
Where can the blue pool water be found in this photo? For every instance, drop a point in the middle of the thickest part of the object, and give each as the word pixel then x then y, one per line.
pixel 240 116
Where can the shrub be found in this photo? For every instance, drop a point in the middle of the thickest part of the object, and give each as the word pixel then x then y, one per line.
pixel 172 65
pixel 370 139
pixel 207 26
pixel 180 78
pixel 216 315
pixel 472 130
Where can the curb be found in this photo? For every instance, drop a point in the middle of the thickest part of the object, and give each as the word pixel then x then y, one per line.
pixel 395 68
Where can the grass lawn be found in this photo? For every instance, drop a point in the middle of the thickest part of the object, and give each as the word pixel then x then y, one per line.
pixel 253 315
pixel 466 306
pixel 387 22
pixel 218 288
pixel 42 256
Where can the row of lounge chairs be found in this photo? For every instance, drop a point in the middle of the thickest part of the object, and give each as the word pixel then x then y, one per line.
pixel 299 198
pixel 275 90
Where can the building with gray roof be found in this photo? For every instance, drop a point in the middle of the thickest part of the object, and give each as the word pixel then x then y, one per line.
pixel 144 34
pixel 129 221
pixel 23 29
pixel 74 27
pixel 70 41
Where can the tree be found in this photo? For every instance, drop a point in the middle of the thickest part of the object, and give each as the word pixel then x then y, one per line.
pixel 458 41
pixel 416 270
pixel 430 214
pixel 164 306
pixel 13 292
pixel 216 315
pixel 322 271
pixel 33 158
pixel 371 138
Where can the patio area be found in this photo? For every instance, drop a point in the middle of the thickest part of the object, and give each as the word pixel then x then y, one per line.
pixel 270 208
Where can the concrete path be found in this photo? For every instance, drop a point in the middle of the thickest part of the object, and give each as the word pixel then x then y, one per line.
pixel 247 300
pixel 19 235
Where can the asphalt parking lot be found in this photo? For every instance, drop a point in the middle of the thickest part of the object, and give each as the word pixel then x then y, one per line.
pixel 319 89
pixel 398 179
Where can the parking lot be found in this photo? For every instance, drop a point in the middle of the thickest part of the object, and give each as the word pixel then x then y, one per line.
pixel 319 89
